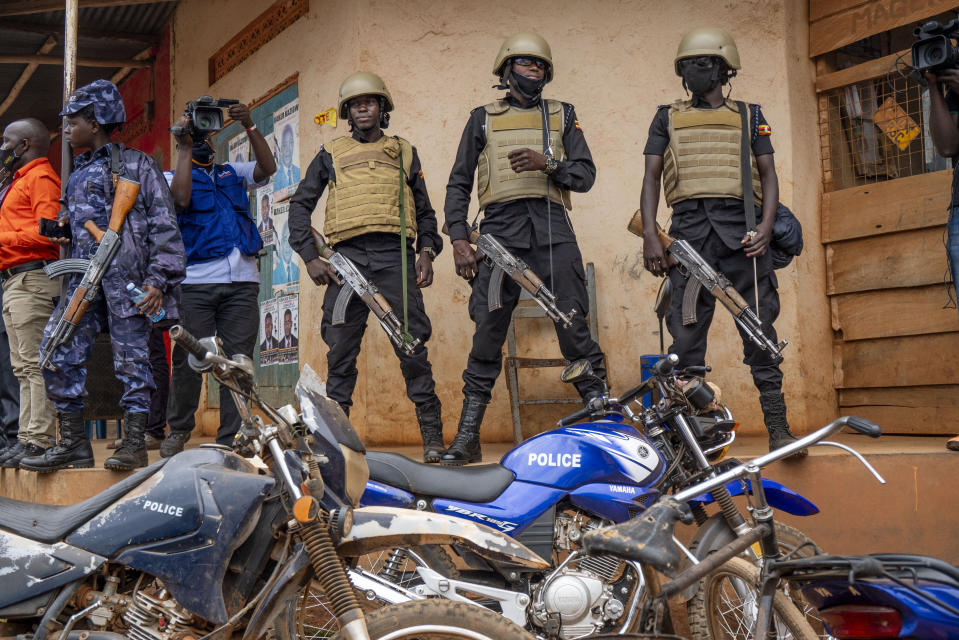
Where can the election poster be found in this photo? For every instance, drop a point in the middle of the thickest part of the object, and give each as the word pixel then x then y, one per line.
pixel 287 313
pixel 286 271
pixel 268 332
pixel 263 201
pixel 239 148
pixel 286 148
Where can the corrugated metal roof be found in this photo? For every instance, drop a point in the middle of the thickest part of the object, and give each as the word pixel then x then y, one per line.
pixel 41 96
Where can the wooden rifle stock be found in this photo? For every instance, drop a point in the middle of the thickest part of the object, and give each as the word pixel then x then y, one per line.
pixel 321 246
pixel 123 199
pixel 635 227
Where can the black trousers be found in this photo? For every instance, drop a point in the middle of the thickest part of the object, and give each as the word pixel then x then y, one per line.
pixel 230 311
pixel 156 425
pixel 567 282
pixel 344 340
pixel 689 342
pixel 9 391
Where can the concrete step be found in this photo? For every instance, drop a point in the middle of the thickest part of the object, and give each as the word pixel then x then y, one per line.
pixel 914 512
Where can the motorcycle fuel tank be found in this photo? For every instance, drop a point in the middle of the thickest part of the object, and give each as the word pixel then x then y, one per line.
pixel 597 452
pixel 183 524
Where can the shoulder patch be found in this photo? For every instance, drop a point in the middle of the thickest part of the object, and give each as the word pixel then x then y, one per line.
pixel 764 130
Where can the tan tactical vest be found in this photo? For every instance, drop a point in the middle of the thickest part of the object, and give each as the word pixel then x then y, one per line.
pixel 365 196
pixel 702 160
pixel 509 128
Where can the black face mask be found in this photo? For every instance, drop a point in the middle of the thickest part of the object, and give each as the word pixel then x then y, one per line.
pixel 202 152
pixel 699 80
pixel 9 157
pixel 527 88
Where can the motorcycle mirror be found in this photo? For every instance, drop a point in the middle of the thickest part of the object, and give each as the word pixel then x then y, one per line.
pixel 577 371
pixel 212 345
pixel 664 298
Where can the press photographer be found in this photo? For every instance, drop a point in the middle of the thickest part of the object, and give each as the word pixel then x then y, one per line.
pixel 222 242
pixel 936 56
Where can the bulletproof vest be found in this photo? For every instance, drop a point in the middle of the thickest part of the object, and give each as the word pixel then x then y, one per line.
pixel 703 157
pixel 365 194
pixel 509 128
pixel 218 217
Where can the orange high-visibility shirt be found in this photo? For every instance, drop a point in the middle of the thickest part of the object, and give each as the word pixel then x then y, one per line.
pixel 34 193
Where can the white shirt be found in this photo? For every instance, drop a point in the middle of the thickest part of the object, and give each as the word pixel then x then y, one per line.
pixel 233 267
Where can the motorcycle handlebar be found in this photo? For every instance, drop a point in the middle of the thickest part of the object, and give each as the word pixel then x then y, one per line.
pixel 863 426
pixel 666 366
pixel 185 339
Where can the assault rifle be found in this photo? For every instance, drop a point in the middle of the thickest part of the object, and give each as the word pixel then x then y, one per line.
pixel 703 275
pixel 505 263
pixel 354 282
pixel 92 269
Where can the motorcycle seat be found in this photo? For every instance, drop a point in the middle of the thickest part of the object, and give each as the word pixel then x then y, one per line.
pixel 49 524
pixel 480 483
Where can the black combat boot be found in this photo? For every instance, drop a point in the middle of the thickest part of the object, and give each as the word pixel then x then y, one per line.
pixel 132 452
pixel 466 444
pixel 430 417
pixel 72 450
pixel 774 415
pixel 14 449
pixel 173 443
pixel 28 450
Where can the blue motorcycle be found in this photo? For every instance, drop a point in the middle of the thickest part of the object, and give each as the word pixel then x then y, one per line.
pixel 549 491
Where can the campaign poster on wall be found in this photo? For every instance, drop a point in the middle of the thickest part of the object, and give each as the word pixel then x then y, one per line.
pixel 286 148
pixel 286 271
pixel 268 332
pixel 287 313
pixel 239 148
pixel 263 202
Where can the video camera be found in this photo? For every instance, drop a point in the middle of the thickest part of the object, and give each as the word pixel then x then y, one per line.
pixel 206 116
pixel 935 48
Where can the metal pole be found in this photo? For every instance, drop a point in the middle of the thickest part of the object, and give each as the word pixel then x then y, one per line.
pixel 71 11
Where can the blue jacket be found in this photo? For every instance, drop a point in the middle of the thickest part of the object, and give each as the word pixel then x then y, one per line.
pixel 218 217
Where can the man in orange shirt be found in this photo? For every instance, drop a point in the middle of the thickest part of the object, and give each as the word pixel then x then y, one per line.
pixel 28 295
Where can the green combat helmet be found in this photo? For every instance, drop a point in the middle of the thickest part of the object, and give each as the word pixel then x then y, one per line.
pixel 708 41
pixel 362 83
pixel 523 45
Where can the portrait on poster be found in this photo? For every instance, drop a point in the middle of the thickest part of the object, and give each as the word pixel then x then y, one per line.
pixel 238 148
pixel 263 201
pixel 286 271
pixel 287 313
pixel 286 148
pixel 268 332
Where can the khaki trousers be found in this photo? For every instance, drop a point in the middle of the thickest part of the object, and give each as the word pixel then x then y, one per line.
pixel 28 303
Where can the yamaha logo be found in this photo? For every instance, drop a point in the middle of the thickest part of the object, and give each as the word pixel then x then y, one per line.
pixel 643 451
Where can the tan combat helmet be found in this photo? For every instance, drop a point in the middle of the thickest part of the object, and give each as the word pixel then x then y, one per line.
pixel 362 83
pixel 522 45
pixel 708 41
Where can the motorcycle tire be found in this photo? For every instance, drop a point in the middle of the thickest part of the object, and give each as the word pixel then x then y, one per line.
pixel 790 539
pixel 437 619
pixel 310 617
pixel 716 611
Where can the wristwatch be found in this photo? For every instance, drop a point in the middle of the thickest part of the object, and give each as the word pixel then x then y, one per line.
pixel 430 251
pixel 551 165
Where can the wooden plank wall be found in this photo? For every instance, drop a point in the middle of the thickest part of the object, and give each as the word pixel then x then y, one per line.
pixel 896 353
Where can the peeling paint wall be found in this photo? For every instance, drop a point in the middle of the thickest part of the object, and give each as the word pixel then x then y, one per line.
pixel 614 62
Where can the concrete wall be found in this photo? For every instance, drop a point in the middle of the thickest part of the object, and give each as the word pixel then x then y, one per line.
pixel 613 60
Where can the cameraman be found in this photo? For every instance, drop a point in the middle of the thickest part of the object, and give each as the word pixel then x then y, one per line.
pixel 945 135
pixel 222 279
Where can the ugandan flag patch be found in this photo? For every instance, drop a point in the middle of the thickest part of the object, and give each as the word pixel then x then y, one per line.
pixel 764 130
pixel 576 124
pixel 420 174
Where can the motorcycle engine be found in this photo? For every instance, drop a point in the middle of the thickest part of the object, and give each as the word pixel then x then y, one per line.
pixel 589 593
pixel 156 616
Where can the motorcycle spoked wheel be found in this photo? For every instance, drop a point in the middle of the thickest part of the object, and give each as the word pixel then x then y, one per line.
pixel 437 619
pixel 726 605
pixel 312 618
pixel 791 539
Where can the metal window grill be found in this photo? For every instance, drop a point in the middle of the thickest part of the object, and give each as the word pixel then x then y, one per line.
pixel 876 130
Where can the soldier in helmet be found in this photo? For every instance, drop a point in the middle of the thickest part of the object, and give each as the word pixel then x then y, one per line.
pixel 151 256
pixel 377 207
pixel 694 150
pixel 524 180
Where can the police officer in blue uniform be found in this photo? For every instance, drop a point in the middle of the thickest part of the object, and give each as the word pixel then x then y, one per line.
pixel 222 278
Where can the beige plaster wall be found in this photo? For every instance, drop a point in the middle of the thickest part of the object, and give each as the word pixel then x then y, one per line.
pixel 613 61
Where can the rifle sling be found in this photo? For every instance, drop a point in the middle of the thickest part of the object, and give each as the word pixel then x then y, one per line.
pixel 406 319
pixel 745 167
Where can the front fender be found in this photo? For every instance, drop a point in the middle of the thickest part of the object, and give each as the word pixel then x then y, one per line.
pixel 779 496
pixel 294 576
pixel 376 528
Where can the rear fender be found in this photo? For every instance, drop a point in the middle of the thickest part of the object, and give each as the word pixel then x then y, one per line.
pixel 376 528
pixel 779 496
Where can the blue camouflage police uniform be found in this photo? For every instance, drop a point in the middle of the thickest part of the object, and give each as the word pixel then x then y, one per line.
pixel 151 253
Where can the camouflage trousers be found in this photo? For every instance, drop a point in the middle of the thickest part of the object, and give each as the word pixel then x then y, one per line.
pixel 130 339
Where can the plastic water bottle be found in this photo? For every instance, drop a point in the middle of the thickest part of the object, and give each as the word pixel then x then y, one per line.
pixel 137 294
